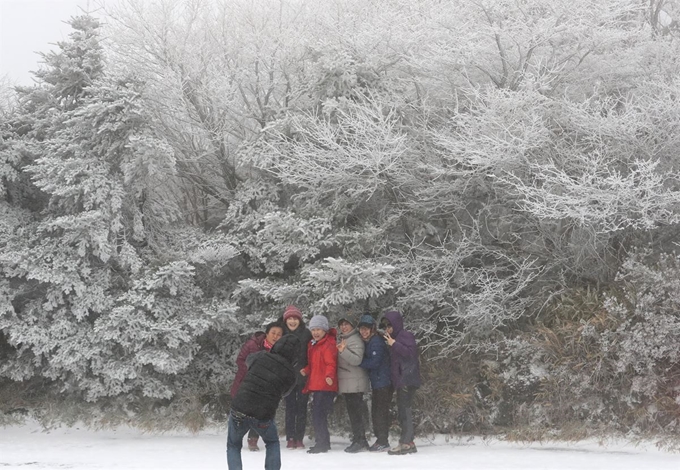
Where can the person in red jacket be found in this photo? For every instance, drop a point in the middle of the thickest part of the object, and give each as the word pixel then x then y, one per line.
pixel 322 379
pixel 260 341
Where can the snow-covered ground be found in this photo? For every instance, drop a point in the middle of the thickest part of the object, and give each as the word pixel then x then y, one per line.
pixel 28 447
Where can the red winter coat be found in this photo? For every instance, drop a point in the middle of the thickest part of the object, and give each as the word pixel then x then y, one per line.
pixel 254 344
pixel 322 362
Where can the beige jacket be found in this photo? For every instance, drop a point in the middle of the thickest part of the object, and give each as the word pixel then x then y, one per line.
pixel 351 377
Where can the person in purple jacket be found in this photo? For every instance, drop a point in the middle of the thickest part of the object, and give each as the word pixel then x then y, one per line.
pixel 405 375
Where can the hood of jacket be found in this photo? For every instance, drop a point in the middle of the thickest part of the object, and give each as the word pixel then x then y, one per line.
pixel 288 347
pixel 355 331
pixel 396 320
pixel 259 337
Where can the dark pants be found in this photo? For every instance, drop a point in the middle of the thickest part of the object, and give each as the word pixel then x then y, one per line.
pixel 380 413
pixel 238 426
pixel 354 402
pixel 405 411
pixel 322 405
pixel 296 414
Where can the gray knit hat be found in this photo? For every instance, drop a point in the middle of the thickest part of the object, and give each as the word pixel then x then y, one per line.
pixel 318 321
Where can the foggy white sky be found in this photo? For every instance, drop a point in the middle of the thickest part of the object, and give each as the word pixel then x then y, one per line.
pixel 29 26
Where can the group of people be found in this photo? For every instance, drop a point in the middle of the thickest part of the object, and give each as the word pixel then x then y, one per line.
pixel 297 362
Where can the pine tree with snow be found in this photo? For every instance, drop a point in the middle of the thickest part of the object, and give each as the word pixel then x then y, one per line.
pixel 99 297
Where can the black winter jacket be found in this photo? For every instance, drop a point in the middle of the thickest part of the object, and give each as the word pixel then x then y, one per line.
pixel 305 336
pixel 270 376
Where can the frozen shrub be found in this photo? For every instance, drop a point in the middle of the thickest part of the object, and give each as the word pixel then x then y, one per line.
pixel 646 345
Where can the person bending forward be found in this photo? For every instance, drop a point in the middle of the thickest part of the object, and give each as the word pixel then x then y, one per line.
pixel 271 376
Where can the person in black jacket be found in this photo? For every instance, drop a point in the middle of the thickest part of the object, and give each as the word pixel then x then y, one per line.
pixel 296 401
pixel 271 375
pixel 258 342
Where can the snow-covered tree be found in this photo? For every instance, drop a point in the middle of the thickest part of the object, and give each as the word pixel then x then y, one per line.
pixel 97 297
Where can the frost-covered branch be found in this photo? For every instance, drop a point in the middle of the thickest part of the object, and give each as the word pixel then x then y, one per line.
pixel 599 196
pixel 354 153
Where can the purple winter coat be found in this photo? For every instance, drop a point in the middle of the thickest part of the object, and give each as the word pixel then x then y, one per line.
pixel 405 364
